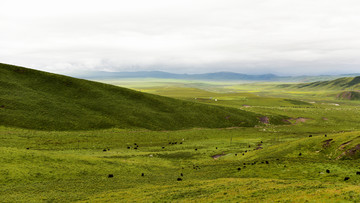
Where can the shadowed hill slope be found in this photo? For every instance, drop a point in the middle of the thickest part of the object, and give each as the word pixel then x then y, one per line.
pixel 40 100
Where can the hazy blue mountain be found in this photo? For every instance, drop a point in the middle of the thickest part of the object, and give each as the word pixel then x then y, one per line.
pixel 208 76
pixel 165 75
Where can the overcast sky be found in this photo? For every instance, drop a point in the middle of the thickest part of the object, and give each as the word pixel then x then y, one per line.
pixel 286 37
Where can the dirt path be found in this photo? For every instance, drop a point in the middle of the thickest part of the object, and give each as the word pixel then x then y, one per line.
pixel 218 156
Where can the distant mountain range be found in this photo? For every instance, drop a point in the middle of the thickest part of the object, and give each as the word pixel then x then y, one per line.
pixel 101 75
pixel 166 75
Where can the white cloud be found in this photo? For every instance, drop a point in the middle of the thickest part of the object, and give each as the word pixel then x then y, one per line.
pixel 279 36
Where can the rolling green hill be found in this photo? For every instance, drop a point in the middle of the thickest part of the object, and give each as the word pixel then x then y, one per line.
pixel 40 100
pixel 346 83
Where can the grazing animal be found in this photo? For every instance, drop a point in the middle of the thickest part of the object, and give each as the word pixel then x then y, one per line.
pixel 244 163
pixel 325 135
pixel 245 151
pixel 310 135
pixel 266 162
pixel 104 150
pixel 181 174
pixel 216 147
pixel 169 142
pixel 239 169
pixel 244 167
pixel 180 142
pixel 196 167
pixel 110 176
pixel 135 147
pixel 195 149
pixel 358 173
pixel 28 148
pixel 327 171
pixel 243 154
pixel 249 146
pixel 261 142
pixel 163 147
pixel 108 149
pixel 346 178
pixel 300 154
pixel 235 154
pixel 135 144
pixel 128 147
pixel 142 174
pixel 179 179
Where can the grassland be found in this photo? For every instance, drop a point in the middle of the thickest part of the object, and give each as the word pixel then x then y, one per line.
pixel 345 83
pixel 38 100
pixel 73 166
pixel 304 158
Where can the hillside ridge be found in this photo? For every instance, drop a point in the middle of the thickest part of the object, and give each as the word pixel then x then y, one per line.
pixel 344 83
pixel 40 100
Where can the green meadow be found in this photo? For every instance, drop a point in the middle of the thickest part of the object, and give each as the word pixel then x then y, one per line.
pixel 68 140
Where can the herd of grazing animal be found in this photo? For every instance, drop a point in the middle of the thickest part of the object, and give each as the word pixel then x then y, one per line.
pixel 195 167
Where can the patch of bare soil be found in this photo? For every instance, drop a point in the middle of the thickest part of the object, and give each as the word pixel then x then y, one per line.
pixel 351 152
pixel 301 120
pixel 218 156
pixel 342 146
pixel 349 95
pixel 295 121
pixel 264 119
pixel 325 119
pixel 258 147
pixel 341 155
pixel 327 143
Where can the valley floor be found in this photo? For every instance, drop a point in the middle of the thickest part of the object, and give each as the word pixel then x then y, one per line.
pixel 266 163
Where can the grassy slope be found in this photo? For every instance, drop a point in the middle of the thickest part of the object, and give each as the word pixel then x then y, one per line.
pixel 346 83
pixel 345 88
pixel 40 100
pixel 71 166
